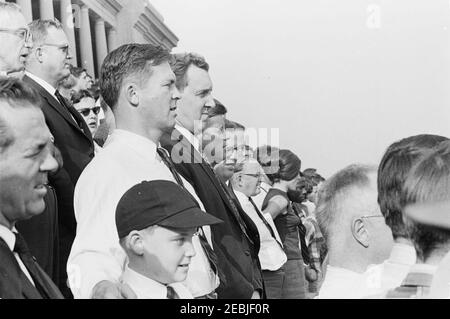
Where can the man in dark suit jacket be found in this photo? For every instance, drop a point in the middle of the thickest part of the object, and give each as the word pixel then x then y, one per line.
pixel 46 66
pixel 25 160
pixel 236 241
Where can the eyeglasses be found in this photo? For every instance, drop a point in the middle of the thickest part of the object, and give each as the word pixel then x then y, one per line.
pixel 87 111
pixel 63 47
pixel 253 175
pixel 22 33
pixel 372 216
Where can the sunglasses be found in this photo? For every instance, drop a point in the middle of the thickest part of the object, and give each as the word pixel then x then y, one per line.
pixel 87 111
pixel 22 33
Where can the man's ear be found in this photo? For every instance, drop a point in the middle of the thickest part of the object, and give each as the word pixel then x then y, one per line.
pixel 131 94
pixel 136 243
pixel 38 54
pixel 360 232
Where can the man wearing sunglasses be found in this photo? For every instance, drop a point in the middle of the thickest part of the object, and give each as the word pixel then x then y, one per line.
pixel 46 66
pixel 15 40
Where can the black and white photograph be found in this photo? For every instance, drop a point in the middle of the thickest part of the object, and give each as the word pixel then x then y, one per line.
pixel 225 153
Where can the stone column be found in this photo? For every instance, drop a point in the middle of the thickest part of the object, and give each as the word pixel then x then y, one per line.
pixel 46 9
pixel 112 39
pixel 100 41
pixel 67 20
pixel 87 56
pixel 27 11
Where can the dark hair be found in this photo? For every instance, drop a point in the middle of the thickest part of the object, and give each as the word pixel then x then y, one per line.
pixel 127 61
pixel 429 182
pixel 78 96
pixel 180 64
pixel 39 29
pixel 76 71
pixel 233 125
pixel 393 170
pixel 218 109
pixel 288 166
pixel 312 175
pixel 16 94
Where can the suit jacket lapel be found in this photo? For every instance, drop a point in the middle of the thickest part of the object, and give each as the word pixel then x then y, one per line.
pixel 54 103
pixel 27 289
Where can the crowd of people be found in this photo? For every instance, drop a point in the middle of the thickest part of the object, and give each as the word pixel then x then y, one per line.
pixel 138 185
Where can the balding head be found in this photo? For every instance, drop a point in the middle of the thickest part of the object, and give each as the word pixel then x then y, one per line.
pixel 350 219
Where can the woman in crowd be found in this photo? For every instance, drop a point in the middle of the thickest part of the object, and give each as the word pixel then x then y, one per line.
pixel 282 168
pixel 84 103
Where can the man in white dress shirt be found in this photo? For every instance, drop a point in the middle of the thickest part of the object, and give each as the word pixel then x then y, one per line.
pixel 393 171
pixel 354 229
pixel 245 182
pixel 139 85
pixel 156 222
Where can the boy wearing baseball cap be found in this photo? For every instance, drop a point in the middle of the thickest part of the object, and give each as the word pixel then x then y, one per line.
pixel 155 222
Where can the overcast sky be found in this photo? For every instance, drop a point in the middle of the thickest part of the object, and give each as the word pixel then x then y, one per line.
pixel 341 79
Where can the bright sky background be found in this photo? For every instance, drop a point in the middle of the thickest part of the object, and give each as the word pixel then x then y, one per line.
pixel 342 80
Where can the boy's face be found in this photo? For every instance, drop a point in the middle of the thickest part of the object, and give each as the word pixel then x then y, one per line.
pixel 168 253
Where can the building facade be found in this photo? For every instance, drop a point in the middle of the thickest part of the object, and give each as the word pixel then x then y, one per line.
pixel 96 27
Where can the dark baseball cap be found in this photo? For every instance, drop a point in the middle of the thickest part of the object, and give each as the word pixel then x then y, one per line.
pixel 161 203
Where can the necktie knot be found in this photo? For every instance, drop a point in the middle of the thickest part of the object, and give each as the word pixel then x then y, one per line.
pixel 171 293
pixel 20 246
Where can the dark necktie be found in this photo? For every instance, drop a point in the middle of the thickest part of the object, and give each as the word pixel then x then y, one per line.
pixel 302 235
pixel 171 293
pixel 234 208
pixel 168 162
pixel 209 252
pixel 21 248
pixel 264 221
pixel 72 111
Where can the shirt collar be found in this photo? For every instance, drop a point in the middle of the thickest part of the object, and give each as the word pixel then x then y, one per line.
pixel 140 144
pixel 144 287
pixel 47 86
pixel 420 275
pixel 189 136
pixel 8 236
pixel 241 196
pixel 403 254
pixel 4 74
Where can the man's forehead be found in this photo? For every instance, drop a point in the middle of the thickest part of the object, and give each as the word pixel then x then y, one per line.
pixel 199 78
pixel 56 36
pixel 12 19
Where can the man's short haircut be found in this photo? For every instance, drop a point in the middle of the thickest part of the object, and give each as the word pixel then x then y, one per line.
pixel 393 170
pixel 231 125
pixel 312 175
pixel 334 190
pixel 9 6
pixel 180 64
pixel 130 60
pixel 218 109
pixel 16 94
pixel 39 29
pixel 429 182
pixel 78 96
pixel 76 71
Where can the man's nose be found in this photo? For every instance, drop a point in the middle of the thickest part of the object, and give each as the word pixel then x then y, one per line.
pixel 49 164
pixel 176 94
pixel 210 102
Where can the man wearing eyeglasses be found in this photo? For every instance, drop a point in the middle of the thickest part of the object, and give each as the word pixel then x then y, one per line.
pixel 46 66
pixel 15 40
pixel 355 232
pixel 246 183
